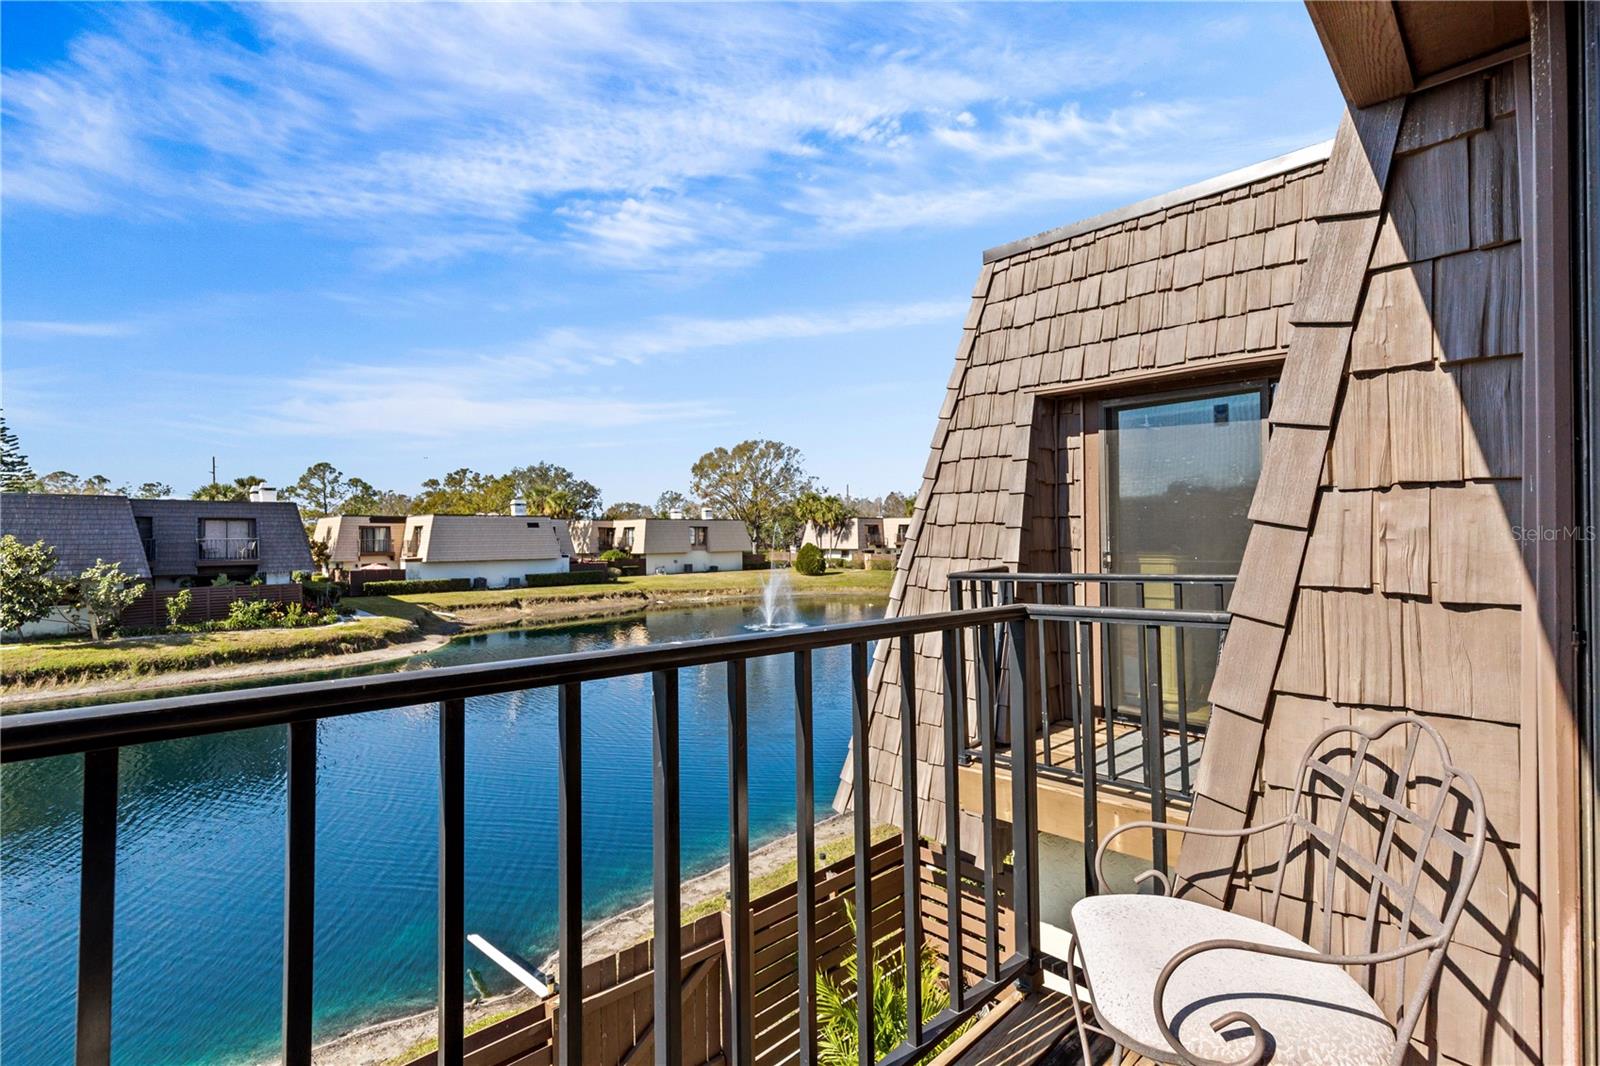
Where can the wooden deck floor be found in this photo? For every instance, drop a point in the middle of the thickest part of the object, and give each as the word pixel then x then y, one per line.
pixel 1029 1030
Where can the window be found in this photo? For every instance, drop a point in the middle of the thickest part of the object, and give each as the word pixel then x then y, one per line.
pixel 414 542
pixel 626 543
pixel 375 540
pixel 900 536
pixel 608 538
pixel 697 536
pixel 227 539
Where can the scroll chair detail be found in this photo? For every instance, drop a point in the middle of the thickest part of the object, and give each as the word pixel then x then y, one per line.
pixel 1182 982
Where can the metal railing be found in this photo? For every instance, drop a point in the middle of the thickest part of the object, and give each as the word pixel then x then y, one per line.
pixel 989 657
pixel 99 734
pixel 229 549
pixel 1073 684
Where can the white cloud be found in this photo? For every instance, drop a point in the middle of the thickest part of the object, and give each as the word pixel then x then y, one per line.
pixel 39 329
pixel 546 382
pixel 642 136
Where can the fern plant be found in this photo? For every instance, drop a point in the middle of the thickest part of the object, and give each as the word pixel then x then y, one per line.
pixel 839 1035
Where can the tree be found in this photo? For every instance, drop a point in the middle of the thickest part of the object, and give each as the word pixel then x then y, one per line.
pixel 322 488
pixel 246 483
pixel 28 589
pixel 464 491
pixel 555 491
pixel 829 514
pixel 215 490
pixel 899 504
pixel 15 473
pixel 97 485
pixel 363 498
pixel 628 509
pixel 104 592
pixel 153 490
pixel 752 482
pixel 809 561
pixel 670 501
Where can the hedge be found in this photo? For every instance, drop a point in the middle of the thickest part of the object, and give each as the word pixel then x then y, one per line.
pixel 808 561
pixel 402 588
pixel 573 577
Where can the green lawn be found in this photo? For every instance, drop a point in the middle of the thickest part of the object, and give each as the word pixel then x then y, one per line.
pixel 71 660
pixel 740 582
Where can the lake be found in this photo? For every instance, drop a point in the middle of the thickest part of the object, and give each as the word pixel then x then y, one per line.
pixel 200 844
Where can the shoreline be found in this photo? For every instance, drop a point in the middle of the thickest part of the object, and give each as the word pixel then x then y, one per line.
pixel 384 1041
pixel 449 624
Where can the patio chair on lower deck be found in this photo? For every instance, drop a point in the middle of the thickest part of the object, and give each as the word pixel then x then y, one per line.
pixel 1182 982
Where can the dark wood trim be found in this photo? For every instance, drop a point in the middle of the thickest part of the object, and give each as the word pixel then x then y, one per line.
pixel 1550 795
pixel 1365 48
pixel 1183 376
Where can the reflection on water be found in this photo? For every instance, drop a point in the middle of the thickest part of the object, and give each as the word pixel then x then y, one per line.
pixel 200 847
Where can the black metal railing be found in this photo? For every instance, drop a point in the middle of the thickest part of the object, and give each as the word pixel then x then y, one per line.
pixel 228 549
pixel 1146 741
pixel 994 661
pixel 99 734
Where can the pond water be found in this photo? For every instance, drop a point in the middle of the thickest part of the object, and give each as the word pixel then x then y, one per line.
pixel 200 845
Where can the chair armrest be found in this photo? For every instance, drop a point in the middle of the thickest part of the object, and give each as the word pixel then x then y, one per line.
pixel 1171 827
pixel 1259 1045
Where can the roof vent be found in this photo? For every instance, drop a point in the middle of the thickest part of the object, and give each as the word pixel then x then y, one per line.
pixel 705 514
pixel 676 514
pixel 519 506
pixel 263 494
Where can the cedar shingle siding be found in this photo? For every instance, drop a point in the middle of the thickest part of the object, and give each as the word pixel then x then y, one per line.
pixel 82 529
pixel 1200 279
pixel 85 528
pixel 280 535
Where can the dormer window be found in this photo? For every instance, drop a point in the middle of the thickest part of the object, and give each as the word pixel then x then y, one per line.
pixel 697 536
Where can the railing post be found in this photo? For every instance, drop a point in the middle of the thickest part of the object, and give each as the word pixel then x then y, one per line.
pixel 741 955
pixel 1024 839
pixel 452 878
pixel 954 742
pixel 1091 768
pixel 1155 755
pixel 866 1043
pixel 668 994
pixel 299 891
pixel 985 685
pixel 569 874
pixel 910 857
pixel 97 905
pixel 805 810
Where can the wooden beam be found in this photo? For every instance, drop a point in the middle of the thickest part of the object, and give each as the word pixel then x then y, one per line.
pixel 1364 48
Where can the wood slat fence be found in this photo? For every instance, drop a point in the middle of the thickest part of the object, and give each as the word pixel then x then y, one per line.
pixel 618 1015
pixel 358 579
pixel 207 602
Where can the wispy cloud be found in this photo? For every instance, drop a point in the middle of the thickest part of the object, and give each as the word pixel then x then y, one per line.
pixel 35 329
pixel 639 136
pixel 548 381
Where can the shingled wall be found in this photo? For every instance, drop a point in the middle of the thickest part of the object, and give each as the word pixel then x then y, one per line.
pixel 1383 573
pixel 1193 283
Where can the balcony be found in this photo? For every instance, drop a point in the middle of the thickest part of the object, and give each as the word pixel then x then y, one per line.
pixel 225 550
pixel 1019 657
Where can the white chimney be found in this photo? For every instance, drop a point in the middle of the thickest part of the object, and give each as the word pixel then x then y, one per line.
pixel 263 494
pixel 676 514
pixel 519 506
pixel 705 513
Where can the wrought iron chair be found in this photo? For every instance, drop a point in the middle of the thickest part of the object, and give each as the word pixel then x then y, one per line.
pixel 1182 982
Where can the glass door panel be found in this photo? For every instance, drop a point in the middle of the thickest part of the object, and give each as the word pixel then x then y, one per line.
pixel 1180 473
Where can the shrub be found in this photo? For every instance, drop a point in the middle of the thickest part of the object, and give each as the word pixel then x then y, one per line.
pixel 27 591
pixel 573 577
pixel 104 592
pixel 322 592
pixel 271 614
pixel 177 604
pixel 881 562
pixel 809 561
pixel 221 581
pixel 404 588
pixel 615 555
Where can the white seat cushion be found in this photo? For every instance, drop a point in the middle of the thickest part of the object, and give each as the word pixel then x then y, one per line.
pixel 1312 1012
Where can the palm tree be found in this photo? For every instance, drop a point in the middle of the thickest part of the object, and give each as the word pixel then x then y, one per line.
pixel 838 1036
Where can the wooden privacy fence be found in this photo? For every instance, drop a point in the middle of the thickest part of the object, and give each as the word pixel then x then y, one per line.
pixel 617 990
pixel 206 602
pixel 357 579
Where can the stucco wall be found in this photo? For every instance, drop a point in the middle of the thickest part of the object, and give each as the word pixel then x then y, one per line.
pixel 702 561
pixel 498 574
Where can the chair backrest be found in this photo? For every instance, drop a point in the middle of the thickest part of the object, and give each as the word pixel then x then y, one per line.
pixel 1398 831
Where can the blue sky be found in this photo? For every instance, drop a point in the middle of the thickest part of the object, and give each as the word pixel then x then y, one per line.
pixel 407 239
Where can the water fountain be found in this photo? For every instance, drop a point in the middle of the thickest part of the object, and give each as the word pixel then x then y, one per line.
pixel 777 604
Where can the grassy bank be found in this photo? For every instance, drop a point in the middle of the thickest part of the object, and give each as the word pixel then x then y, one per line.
pixel 662 587
pixel 71 661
